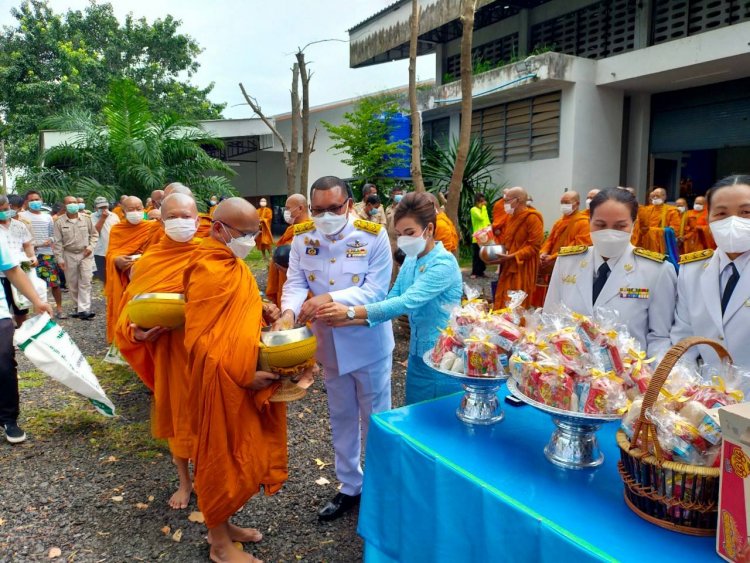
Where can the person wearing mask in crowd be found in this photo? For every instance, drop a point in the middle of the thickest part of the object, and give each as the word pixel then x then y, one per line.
pixel 359 208
pixel 103 220
pixel 397 194
pixel 704 238
pixel 264 242
pixel 499 216
pixel 21 245
pixel 687 231
pixel 347 261
pixel 82 206
pixel 653 219
pixel 41 224
pixel 479 220
pixel 427 288
pixel 154 202
pixel 572 229
pixel 373 210
pixel 713 288
pixel 638 284
pixel 74 240
pixel 9 396
pixel 119 210
pixel 587 204
pixel 522 238
pixel 17 203
pixel 295 213
pixel 212 203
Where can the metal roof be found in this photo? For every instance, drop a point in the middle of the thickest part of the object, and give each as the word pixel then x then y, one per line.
pixel 378 14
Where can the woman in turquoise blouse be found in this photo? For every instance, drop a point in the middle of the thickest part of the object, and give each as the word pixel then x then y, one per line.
pixel 428 286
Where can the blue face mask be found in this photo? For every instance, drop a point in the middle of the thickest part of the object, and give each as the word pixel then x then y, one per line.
pixel 35 205
pixel 81 206
pixel 398 197
pixel 373 211
pixel 71 208
pixel 5 215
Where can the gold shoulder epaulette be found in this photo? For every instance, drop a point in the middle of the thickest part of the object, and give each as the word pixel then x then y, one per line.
pixel 368 226
pixel 650 254
pixel 571 250
pixel 696 256
pixel 302 228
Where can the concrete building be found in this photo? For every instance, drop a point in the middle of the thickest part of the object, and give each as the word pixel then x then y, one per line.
pixel 587 93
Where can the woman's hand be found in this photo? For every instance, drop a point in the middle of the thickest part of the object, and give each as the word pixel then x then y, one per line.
pixel 332 313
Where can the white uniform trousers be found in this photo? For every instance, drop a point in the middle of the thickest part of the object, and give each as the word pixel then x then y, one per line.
pixel 352 398
pixel 78 272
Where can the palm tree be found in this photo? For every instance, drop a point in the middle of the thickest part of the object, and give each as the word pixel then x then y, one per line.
pixel 131 153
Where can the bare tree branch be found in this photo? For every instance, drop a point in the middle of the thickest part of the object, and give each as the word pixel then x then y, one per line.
pixel 291 172
pixel 306 147
pixel 253 103
pixel 416 125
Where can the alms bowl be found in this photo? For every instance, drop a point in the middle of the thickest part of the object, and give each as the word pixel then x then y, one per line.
pixel 148 310
pixel 286 348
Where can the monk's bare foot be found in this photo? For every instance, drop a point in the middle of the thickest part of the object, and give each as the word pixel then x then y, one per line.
pixel 244 535
pixel 228 553
pixel 181 498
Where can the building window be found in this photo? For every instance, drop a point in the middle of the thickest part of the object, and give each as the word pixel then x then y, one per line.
pixel 523 130
pixel 597 31
pixel 484 57
pixel 674 20
pixel 436 133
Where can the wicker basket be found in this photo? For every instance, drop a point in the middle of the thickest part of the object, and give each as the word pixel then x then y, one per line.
pixel 676 496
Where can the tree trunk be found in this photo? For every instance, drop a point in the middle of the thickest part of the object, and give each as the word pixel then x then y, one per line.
pixel 416 125
pixel 291 171
pixel 4 187
pixel 464 139
pixel 307 144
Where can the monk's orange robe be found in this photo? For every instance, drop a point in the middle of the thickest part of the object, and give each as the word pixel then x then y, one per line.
pixel 264 240
pixel 652 220
pixel 499 217
pixel 569 230
pixel 204 225
pixel 276 275
pixel 162 365
pixel 119 212
pixel 125 239
pixel 523 235
pixel 704 237
pixel 689 233
pixel 241 436
pixel 445 232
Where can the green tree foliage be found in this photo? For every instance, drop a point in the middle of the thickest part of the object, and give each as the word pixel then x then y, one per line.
pixel 133 153
pixel 51 61
pixel 363 138
pixel 480 164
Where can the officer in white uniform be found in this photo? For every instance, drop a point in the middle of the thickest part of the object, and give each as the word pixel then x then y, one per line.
pixel 638 284
pixel 348 261
pixel 713 289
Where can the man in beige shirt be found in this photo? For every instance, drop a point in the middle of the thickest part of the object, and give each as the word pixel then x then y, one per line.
pixel 74 239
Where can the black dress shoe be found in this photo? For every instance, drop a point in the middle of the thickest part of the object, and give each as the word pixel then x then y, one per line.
pixel 86 316
pixel 338 506
pixel 76 315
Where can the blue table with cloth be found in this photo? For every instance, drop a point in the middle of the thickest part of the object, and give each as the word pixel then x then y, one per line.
pixel 438 490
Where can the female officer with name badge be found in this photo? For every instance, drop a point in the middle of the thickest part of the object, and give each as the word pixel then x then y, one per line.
pixel 613 275
pixel 713 290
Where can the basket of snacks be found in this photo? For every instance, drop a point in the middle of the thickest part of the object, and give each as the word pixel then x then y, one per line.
pixel 670 442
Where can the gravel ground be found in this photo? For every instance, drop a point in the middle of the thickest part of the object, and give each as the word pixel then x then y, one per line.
pixel 95 489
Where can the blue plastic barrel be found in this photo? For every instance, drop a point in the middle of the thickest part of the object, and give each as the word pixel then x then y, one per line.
pixel 400 126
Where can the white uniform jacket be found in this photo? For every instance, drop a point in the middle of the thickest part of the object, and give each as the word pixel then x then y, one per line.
pixel 641 287
pixel 699 308
pixel 355 269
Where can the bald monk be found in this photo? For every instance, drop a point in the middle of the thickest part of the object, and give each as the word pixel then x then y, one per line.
pixel 699 214
pixel 499 216
pixel 119 210
pixel 241 436
pixel 653 219
pixel 264 240
pixel 158 354
pixel 522 237
pixel 572 229
pixel 126 239
pixel 204 220
pixel 156 200
pixel 295 212
pixel 589 196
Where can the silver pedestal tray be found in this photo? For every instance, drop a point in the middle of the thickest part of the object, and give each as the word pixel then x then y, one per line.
pixel 573 444
pixel 480 404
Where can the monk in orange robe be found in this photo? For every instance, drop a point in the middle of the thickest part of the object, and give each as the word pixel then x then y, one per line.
pixel 522 237
pixel 499 216
pixel 571 229
pixel 154 201
pixel 589 196
pixel 126 239
pixel 653 219
pixel 445 232
pixel 699 213
pixel 295 212
pixel 118 210
pixel 241 436
pixel 264 240
pixel 158 354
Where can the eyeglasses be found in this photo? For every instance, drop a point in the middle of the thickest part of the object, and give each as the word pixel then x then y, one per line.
pixel 243 233
pixel 336 210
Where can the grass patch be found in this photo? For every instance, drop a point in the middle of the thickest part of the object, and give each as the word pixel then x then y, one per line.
pixel 31 379
pixel 119 379
pixel 464 256
pixel 74 418
pixel 255 260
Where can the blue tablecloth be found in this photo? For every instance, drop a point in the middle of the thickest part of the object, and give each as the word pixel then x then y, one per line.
pixel 438 490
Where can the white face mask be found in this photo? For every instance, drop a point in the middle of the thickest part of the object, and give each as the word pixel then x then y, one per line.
pixel 263 203
pixel 698 207
pixel 508 208
pixel 732 234
pixel 330 223
pixel 657 201
pixel 610 243
pixel 588 203
pixel 288 217
pixel 134 217
pixel 412 246
pixel 566 208
pixel 180 230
